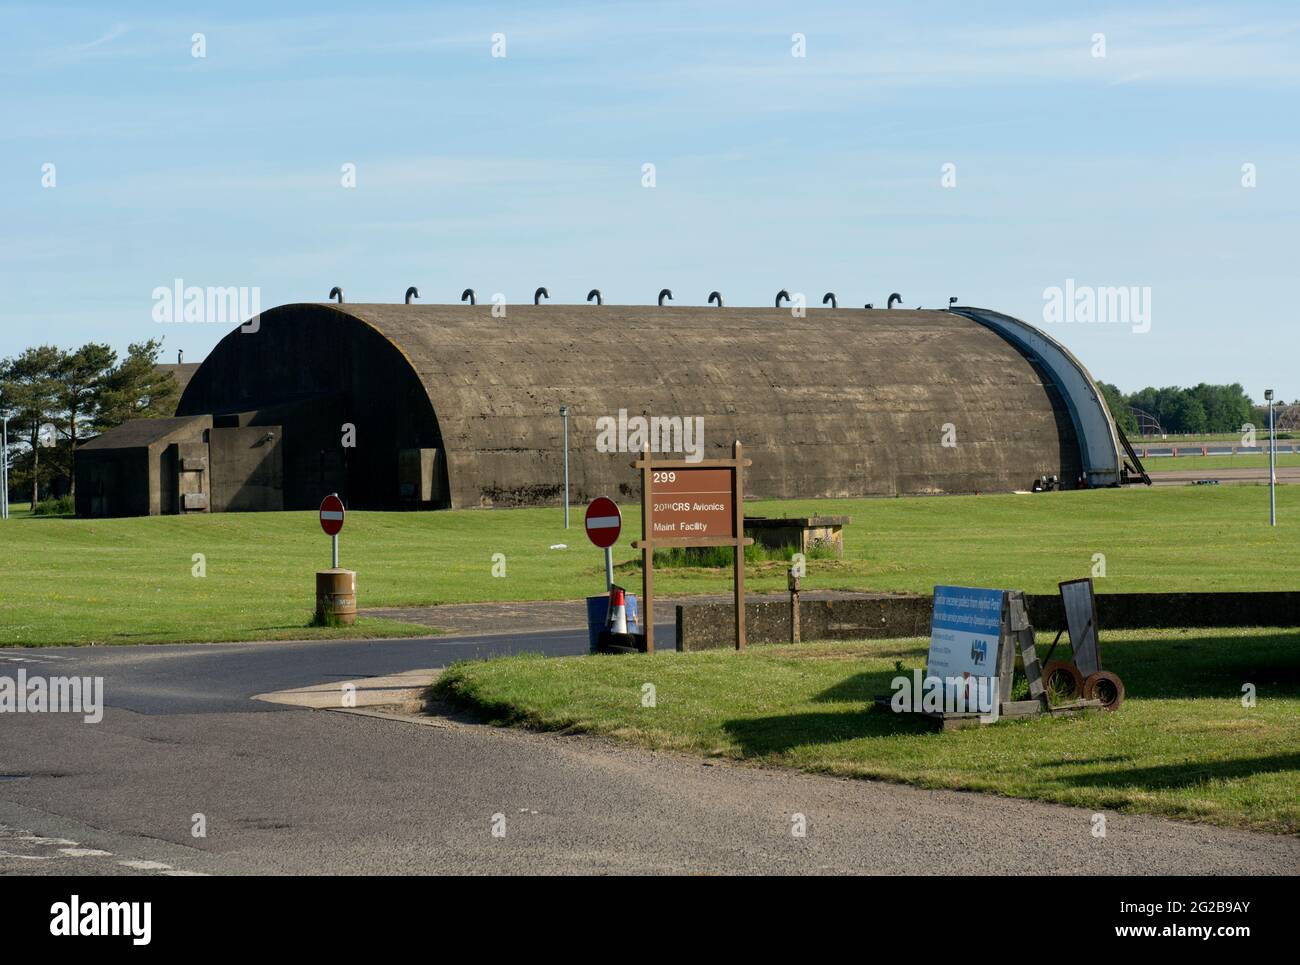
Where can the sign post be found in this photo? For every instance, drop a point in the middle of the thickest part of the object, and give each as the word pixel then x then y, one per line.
pixel 332 514
pixel 336 589
pixel 692 504
pixel 564 414
pixel 1272 461
pixel 604 523
pixel 965 642
pixel 4 471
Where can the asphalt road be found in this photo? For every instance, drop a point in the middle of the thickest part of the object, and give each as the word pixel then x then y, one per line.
pixel 284 790
pixel 187 678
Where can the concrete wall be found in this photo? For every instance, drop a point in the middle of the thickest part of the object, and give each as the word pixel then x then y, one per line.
pixel 707 626
pixel 710 626
pixel 247 469
pixel 113 482
pixel 840 403
pixel 131 469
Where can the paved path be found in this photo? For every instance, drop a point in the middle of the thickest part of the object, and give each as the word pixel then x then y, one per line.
pixel 288 790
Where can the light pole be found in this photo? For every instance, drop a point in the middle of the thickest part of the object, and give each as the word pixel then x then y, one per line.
pixel 564 414
pixel 1272 461
pixel 4 470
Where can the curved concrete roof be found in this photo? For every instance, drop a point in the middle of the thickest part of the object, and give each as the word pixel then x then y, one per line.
pixel 841 402
pixel 1093 423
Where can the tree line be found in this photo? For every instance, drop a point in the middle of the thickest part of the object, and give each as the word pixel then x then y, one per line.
pixel 1201 409
pixel 55 398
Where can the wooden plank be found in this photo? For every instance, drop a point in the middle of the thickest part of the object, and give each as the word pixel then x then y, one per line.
pixel 1020 708
pixel 1025 644
pixel 1080 604
pixel 1006 654
pixel 664 542
pixel 738 501
pixel 683 464
pixel 647 557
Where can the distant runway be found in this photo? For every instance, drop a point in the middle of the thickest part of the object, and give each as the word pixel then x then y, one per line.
pixel 1184 477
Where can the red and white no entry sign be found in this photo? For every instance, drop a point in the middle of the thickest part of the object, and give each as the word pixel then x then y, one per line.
pixel 331 514
pixel 604 522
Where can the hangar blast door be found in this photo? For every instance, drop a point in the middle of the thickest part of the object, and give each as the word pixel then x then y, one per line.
pixel 421 477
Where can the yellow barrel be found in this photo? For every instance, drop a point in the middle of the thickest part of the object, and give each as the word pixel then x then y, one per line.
pixel 336 596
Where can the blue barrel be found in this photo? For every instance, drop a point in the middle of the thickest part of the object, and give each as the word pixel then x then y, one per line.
pixel 598 613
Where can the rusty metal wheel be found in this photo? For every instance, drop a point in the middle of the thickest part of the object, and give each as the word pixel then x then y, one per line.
pixel 1106 687
pixel 1062 680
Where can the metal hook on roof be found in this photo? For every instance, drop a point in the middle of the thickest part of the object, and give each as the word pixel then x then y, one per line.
pixel 539 295
pixel 830 297
pixel 664 293
pixel 412 292
pixel 595 293
pixel 715 297
pixel 337 292
pixel 468 295
pixel 895 297
pixel 782 294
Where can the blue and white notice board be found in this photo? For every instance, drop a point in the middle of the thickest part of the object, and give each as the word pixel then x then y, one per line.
pixel 965 628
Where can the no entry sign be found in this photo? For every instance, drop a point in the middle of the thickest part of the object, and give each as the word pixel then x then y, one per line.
pixel 331 514
pixel 604 522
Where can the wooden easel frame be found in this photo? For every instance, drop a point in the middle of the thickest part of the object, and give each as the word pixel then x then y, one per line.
pixel 1018 640
pixel 647 544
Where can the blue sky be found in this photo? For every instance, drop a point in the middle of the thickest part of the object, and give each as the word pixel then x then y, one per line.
pixel 815 173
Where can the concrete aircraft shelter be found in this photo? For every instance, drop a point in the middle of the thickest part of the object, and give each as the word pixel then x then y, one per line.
pixel 449 406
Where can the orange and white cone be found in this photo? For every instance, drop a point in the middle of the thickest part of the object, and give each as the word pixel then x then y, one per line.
pixel 616 622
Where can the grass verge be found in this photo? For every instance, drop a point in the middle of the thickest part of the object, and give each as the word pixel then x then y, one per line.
pixel 66 580
pixel 1182 745
pixel 1155 465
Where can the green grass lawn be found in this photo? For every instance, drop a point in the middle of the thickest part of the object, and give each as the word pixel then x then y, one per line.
pixel 66 580
pixel 1249 460
pixel 1182 745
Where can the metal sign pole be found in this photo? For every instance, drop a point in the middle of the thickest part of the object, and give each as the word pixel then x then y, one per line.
pixel 1272 467
pixel 609 567
pixel 4 471
pixel 334 543
pixel 564 414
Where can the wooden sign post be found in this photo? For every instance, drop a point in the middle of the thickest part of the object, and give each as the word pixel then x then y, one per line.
pixel 691 504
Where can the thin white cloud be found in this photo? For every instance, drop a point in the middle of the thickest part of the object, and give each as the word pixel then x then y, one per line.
pixel 115 31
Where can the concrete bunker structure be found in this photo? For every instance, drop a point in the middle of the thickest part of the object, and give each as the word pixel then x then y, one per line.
pixel 451 406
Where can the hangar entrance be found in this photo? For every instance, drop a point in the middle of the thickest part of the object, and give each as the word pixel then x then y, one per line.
pixel 422 478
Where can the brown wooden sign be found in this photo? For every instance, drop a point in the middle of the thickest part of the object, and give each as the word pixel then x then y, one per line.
pixel 691 504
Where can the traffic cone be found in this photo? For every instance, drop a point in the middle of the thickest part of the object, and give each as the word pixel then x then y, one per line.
pixel 616 621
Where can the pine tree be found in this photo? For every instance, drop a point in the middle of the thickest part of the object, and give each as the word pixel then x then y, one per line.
pixel 136 389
